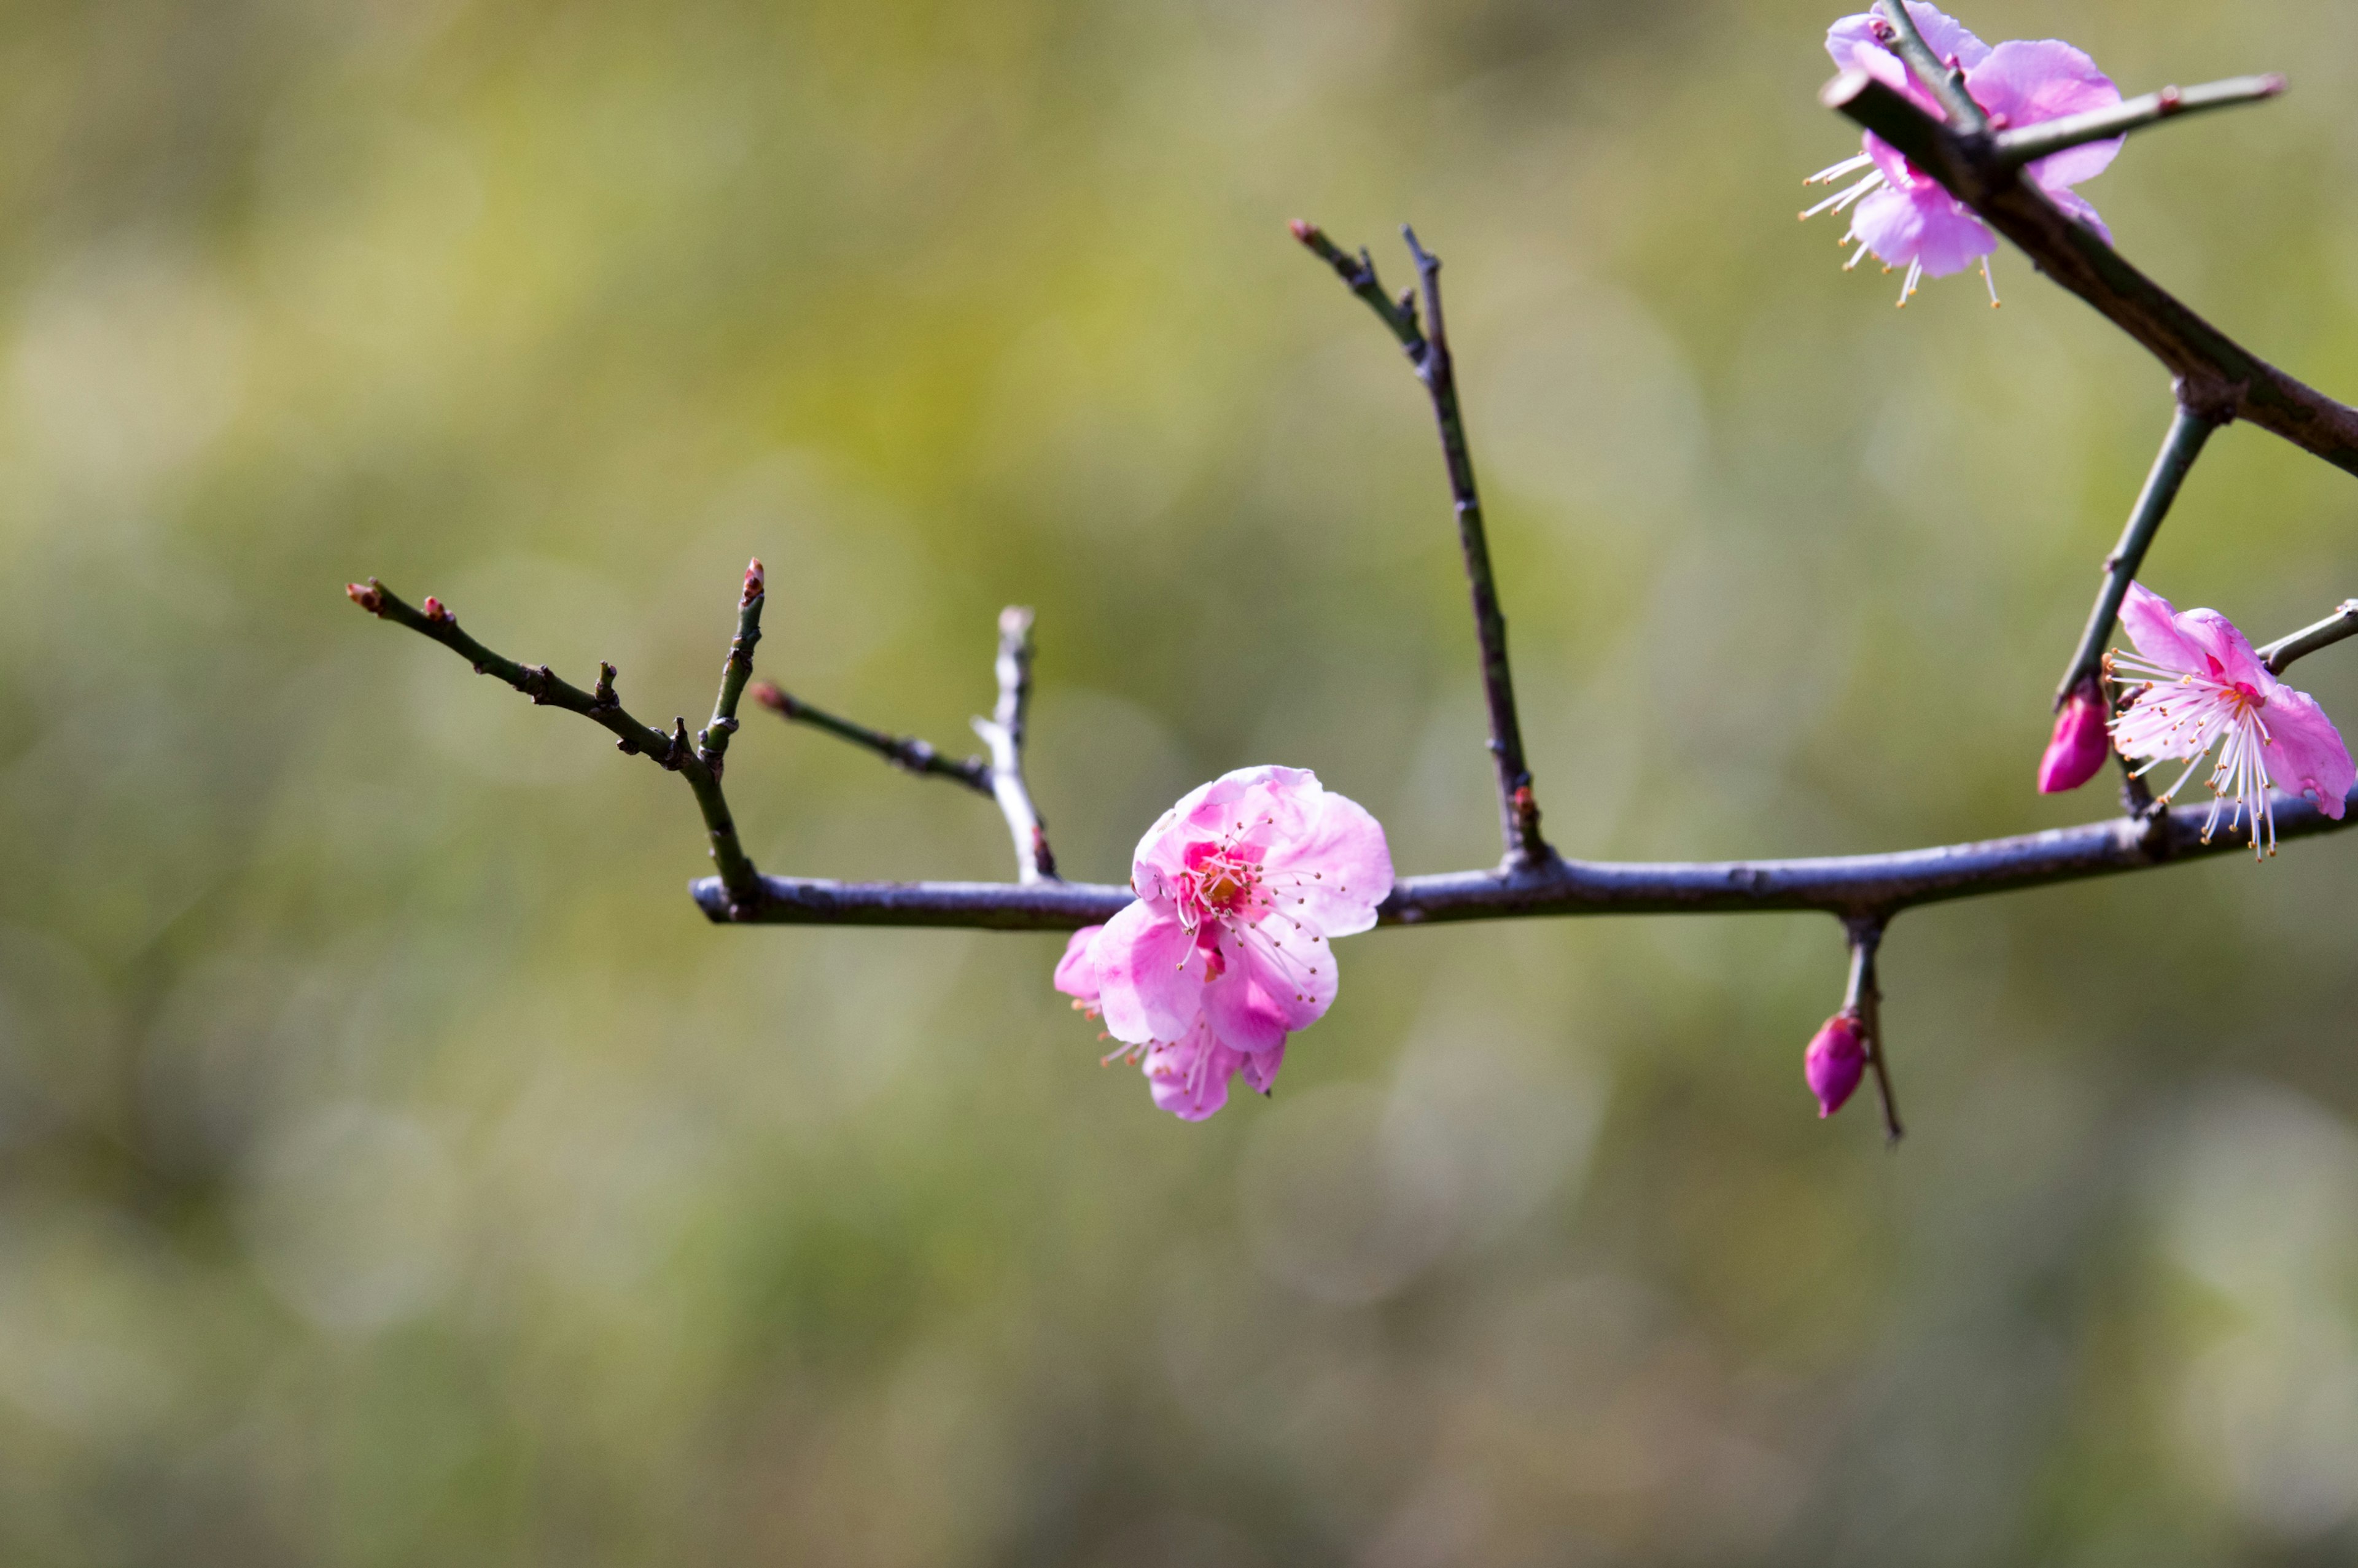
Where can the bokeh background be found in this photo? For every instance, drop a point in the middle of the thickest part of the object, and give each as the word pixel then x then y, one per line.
pixel 394 1168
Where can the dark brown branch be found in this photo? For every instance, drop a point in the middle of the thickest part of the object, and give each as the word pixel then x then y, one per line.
pixel 1003 734
pixel 1850 886
pixel 904 752
pixel 1864 1001
pixel 2217 376
pixel 2188 430
pixel 738 888
pixel 1428 353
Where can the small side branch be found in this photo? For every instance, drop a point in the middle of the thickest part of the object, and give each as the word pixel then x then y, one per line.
pixel 2032 143
pixel 2343 622
pixel 739 889
pixel 1003 734
pixel 904 752
pixel 1864 1001
pixel 2188 430
pixel 1428 354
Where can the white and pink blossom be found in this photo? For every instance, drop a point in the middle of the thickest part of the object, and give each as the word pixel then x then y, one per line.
pixel 1241 888
pixel 1904 216
pixel 2206 689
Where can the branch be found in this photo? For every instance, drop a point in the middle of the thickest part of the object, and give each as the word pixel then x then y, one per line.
pixel 1519 812
pixel 2032 143
pixel 1864 1001
pixel 739 889
pixel 904 752
pixel 2188 431
pixel 2343 622
pixel 2217 376
pixel 1849 886
pixel 1003 732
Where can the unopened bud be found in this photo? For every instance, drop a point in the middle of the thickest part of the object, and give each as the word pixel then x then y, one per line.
pixel 435 610
pixel 771 698
pixel 2077 752
pixel 1835 1062
pixel 366 595
pixel 756 583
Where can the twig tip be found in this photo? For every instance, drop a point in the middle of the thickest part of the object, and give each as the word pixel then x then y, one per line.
pixel 369 595
pixel 771 698
pixel 756 582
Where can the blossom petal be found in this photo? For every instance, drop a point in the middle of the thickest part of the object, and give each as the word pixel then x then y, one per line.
pixel 1077 973
pixel 1944 34
pixel 1143 960
pixel 1333 869
pixel 2076 207
pixel 1265 992
pixel 1926 224
pixel 1160 855
pixel 2152 625
pixel 1261 1067
pixel 2305 755
pixel 2229 655
pixel 1189 1077
pixel 2024 81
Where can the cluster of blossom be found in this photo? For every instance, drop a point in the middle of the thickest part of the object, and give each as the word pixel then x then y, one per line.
pixel 1242 885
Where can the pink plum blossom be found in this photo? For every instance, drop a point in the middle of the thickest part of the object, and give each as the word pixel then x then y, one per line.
pixel 2205 688
pixel 1240 886
pixel 2080 745
pixel 1904 215
pixel 1835 1062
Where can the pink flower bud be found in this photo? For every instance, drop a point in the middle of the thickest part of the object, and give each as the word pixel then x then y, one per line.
pixel 1835 1061
pixel 2077 753
pixel 757 582
pixel 435 610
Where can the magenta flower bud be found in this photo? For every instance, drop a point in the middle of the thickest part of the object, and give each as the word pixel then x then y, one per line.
pixel 2076 753
pixel 1835 1062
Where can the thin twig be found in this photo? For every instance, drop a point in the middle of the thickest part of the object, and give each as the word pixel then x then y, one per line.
pixel 1428 354
pixel 1945 79
pixel 2343 622
pixel 1003 734
pixel 2048 137
pixel 1864 1001
pixel 904 752
pixel 2216 376
pixel 738 891
pixel 712 741
pixel 2187 430
pixel 1847 886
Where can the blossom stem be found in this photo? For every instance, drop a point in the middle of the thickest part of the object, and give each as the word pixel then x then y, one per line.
pixel 2032 143
pixel 904 752
pixel 1427 347
pixel 2188 431
pixel 2343 622
pixel 1863 1000
pixel 737 892
pixel 2215 375
pixel 1003 732
pixel 1847 886
pixel 1943 79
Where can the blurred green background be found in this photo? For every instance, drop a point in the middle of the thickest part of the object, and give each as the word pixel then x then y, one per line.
pixel 394 1167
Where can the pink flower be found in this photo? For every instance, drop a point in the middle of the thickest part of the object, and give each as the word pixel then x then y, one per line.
pixel 1904 215
pixel 1240 886
pixel 1835 1062
pixel 2205 686
pixel 2079 745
